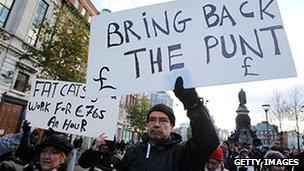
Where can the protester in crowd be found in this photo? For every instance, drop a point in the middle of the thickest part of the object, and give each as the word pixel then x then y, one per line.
pixel 122 147
pixel 243 153
pixel 271 154
pixel 161 149
pixel 300 166
pixel 128 145
pixel 215 162
pixel 8 144
pixel 100 155
pixel 276 146
pixel 227 157
pixel 224 146
pixel 77 143
pixel 230 155
pixel 29 140
pixel 118 145
pixel 73 157
pixel 256 153
pixel 264 150
pixel 26 149
pixel 53 152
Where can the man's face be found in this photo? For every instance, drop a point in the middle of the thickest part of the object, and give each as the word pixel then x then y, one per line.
pixel 277 144
pixel 243 154
pixel 213 164
pixel 159 126
pixel 231 147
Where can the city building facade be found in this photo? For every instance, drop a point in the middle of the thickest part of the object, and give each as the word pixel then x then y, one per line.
pixel 124 129
pixel 160 97
pixel 267 137
pixel 184 130
pixel 85 8
pixel 18 33
pixel 290 139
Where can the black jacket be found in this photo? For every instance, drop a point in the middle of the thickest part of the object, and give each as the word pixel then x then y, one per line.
pixel 175 155
pixel 91 159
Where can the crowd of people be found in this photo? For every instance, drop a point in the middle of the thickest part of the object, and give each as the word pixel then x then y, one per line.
pixel 160 149
pixel 223 158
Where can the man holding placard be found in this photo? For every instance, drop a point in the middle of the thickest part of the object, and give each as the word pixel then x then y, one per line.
pixel 161 149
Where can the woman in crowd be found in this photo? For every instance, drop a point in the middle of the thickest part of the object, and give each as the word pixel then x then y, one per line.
pixel 53 152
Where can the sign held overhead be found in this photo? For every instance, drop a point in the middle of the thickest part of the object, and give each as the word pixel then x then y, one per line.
pixel 206 42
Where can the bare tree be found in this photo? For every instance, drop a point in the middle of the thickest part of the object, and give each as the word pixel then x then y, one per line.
pixel 295 107
pixel 279 109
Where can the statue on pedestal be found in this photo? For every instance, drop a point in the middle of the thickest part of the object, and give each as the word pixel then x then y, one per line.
pixel 243 135
pixel 242 97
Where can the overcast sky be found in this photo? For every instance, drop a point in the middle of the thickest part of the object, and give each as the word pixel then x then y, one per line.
pixel 223 100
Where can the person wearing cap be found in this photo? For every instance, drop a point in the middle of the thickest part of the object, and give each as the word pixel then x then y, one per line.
pixel 215 162
pixel 53 152
pixel 100 156
pixel 163 150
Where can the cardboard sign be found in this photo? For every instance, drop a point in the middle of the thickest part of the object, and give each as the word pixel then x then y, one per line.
pixel 62 106
pixel 208 42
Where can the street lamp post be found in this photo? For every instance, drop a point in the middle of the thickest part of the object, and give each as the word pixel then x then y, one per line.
pixel 266 109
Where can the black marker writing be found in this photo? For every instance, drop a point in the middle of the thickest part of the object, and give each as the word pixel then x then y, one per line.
pixel 246 66
pixel 101 79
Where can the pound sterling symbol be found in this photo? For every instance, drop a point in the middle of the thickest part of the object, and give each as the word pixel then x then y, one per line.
pixel 101 79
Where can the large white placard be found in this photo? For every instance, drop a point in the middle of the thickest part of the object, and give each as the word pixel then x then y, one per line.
pixel 207 42
pixel 61 106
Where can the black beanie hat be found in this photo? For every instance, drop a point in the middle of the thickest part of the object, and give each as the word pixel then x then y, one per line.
pixel 165 109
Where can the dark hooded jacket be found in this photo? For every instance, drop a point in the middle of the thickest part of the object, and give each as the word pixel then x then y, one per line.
pixel 173 154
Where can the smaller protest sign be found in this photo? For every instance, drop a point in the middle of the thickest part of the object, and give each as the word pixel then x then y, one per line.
pixel 63 107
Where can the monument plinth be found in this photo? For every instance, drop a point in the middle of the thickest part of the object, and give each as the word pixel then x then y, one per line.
pixel 243 134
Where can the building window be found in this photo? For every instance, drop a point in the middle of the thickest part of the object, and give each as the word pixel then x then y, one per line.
pixel 5 8
pixel 38 19
pixel 83 11
pixel 89 19
pixel 21 82
pixel 77 4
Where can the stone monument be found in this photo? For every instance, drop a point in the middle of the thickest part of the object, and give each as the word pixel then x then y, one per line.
pixel 243 135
